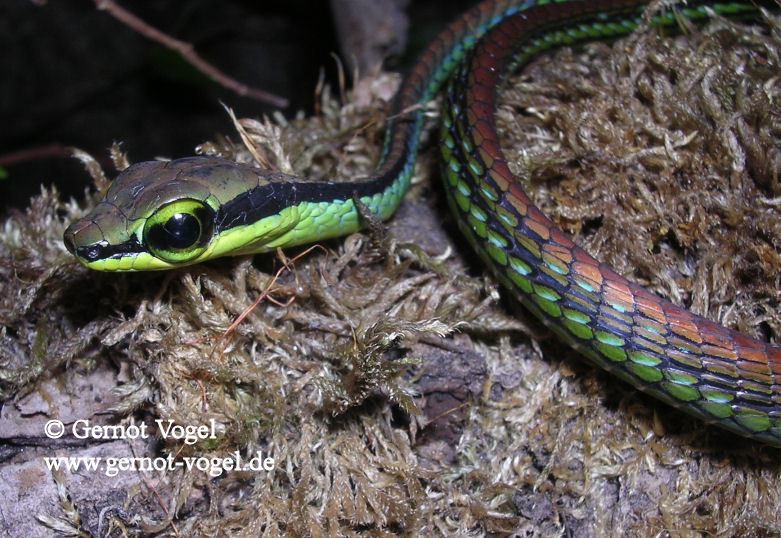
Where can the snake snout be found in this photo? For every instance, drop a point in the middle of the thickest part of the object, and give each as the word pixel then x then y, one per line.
pixel 68 239
pixel 74 236
pixel 84 240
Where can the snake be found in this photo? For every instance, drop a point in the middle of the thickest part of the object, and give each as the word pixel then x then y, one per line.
pixel 167 214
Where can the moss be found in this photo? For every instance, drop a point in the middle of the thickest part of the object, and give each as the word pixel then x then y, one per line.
pixel 666 164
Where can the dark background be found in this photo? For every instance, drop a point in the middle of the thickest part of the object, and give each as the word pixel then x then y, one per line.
pixel 74 76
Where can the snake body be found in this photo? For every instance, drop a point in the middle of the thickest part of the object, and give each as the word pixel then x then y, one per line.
pixel 159 215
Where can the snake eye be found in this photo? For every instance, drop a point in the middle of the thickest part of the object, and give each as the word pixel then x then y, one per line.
pixel 179 231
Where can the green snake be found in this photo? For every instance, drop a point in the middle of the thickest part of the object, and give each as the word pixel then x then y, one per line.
pixel 160 215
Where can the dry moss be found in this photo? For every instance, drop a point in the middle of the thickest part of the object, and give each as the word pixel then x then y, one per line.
pixel 327 373
pixel 667 164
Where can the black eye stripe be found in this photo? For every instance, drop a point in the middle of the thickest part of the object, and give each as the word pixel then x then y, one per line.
pixel 103 252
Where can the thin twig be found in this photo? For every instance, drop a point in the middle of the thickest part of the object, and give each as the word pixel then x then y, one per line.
pixel 188 53
pixel 34 154
pixel 227 336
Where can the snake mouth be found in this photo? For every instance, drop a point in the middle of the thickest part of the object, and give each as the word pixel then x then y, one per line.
pixel 90 252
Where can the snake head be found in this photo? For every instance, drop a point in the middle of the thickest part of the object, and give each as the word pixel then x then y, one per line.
pixel 160 215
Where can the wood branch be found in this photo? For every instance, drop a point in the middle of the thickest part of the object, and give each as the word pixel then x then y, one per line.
pixel 187 52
